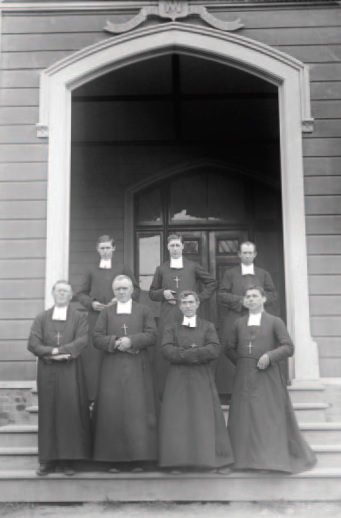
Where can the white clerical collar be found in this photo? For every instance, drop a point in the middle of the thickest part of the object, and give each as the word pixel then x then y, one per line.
pixel 248 269
pixel 124 308
pixel 254 319
pixel 59 313
pixel 105 264
pixel 190 321
pixel 176 263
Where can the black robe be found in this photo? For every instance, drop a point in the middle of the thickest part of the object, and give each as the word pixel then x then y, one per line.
pixel 262 423
pixel 125 408
pixel 97 285
pixel 192 425
pixel 190 276
pixel 64 425
pixel 230 295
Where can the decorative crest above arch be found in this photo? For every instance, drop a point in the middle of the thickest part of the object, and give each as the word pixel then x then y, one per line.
pixel 173 10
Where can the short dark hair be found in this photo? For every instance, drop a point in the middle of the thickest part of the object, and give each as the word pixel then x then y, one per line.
pixel 175 237
pixel 260 289
pixel 187 293
pixel 61 281
pixel 105 239
pixel 248 243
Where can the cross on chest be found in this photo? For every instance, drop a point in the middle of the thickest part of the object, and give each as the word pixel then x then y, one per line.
pixel 250 347
pixel 177 280
pixel 58 338
pixel 125 329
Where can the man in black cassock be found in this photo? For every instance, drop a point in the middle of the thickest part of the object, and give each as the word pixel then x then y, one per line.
pixel 58 336
pixel 192 426
pixel 125 407
pixel 231 296
pixel 169 280
pixel 262 423
pixel 95 294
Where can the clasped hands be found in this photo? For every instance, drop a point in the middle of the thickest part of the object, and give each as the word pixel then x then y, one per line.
pixel 263 362
pixel 124 345
pixel 169 296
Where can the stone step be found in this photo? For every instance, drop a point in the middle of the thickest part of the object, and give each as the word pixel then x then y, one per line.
pixel 26 457
pixel 319 484
pixel 322 433
pixel 305 412
pixel 17 436
pixel 307 392
pixel 19 458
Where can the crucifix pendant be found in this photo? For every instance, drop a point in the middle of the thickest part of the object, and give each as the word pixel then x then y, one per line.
pixel 177 280
pixel 58 338
pixel 250 347
pixel 124 327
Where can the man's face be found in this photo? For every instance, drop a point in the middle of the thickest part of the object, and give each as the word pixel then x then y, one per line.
pixel 189 306
pixel 62 294
pixel 123 290
pixel 105 250
pixel 175 248
pixel 254 301
pixel 247 254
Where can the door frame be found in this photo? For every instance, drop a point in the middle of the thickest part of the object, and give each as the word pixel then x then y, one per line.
pixel 288 74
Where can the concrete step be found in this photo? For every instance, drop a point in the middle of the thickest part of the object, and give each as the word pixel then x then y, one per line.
pixel 328 456
pixel 319 484
pixel 17 436
pixel 305 412
pixel 322 433
pixel 19 458
pixel 26 457
pixel 307 392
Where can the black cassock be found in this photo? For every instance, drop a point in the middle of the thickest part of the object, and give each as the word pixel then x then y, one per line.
pixel 64 425
pixel 125 409
pixel 262 423
pixel 192 425
pixel 177 279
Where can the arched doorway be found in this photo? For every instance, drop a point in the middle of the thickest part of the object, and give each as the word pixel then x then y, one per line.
pixel 289 75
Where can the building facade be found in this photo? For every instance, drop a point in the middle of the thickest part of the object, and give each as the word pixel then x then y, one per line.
pixel 220 119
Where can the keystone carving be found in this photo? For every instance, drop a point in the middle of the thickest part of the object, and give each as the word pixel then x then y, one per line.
pixel 173 10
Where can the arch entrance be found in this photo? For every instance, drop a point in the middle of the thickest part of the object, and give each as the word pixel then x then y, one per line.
pixel 62 83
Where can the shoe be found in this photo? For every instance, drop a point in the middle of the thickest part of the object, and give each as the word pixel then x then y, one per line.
pixel 223 471
pixel 67 469
pixel 45 468
pixel 113 470
pixel 137 470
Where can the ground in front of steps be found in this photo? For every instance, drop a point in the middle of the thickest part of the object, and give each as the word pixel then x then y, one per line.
pixel 173 510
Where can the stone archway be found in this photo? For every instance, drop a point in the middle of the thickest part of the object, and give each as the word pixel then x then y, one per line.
pixel 288 74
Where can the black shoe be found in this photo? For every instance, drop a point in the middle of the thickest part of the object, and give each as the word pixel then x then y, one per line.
pixel 67 469
pixel 45 468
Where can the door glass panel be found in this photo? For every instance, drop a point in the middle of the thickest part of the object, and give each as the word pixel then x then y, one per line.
pixel 188 200
pixel 149 208
pixel 228 246
pixel 149 258
pixel 225 199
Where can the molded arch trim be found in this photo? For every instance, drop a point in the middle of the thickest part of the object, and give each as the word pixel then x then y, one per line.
pixel 291 78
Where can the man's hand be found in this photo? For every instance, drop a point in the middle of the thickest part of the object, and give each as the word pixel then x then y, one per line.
pixel 97 306
pixel 263 362
pixel 169 296
pixel 124 344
